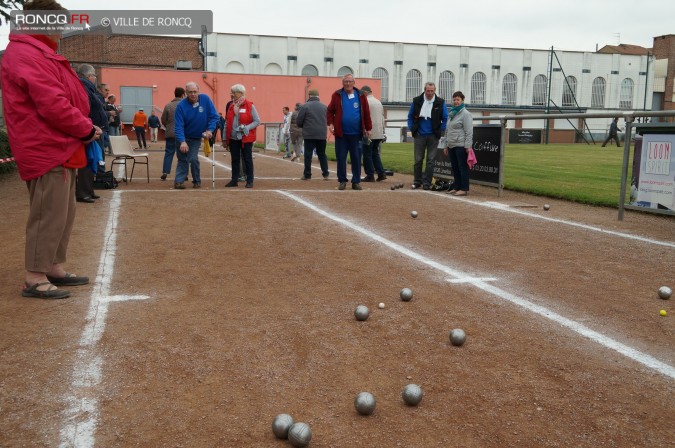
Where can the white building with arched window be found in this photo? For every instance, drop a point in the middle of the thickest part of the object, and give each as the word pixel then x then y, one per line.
pixel 495 81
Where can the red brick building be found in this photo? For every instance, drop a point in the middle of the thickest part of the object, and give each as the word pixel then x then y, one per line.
pixel 664 66
pixel 129 51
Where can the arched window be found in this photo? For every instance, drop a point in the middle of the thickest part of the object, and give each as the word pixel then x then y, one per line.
pixel 413 84
pixel 626 94
pixel 478 88
pixel 234 67
pixel 509 89
pixel 309 70
pixel 569 91
pixel 383 76
pixel 273 69
pixel 345 71
pixel 446 85
pixel 598 93
pixel 539 90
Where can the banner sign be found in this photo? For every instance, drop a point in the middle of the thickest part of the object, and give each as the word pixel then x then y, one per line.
pixel 486 145
pixel 525 136
pixel 653 182
pixel 272 131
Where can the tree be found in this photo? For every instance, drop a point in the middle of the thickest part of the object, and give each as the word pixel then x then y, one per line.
pixel 8 5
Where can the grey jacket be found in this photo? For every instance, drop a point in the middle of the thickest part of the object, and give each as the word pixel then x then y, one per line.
pixel 459 131
pixel 312 119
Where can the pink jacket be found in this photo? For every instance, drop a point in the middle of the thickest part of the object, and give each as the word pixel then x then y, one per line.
pixel 46 107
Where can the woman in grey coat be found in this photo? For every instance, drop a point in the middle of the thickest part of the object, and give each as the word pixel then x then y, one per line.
pixel 459 139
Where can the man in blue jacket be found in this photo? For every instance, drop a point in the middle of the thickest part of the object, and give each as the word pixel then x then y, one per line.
pixel 196 117
pixel 427 118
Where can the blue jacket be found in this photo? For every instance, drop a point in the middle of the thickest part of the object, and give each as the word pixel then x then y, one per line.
pixel 192 120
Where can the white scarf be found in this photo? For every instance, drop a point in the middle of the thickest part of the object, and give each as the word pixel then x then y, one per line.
pixel 426 107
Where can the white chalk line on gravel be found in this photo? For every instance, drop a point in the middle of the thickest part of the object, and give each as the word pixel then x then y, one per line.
pixel 634 354
pixel 81 414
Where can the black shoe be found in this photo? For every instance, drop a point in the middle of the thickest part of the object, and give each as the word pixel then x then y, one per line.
pixel 356 186
pixel 415 186
pixel 163 176
pixel 325 177
pixel 427 187
pixel 95 196
pixel 179 186
pixel 342 186
pixel 231 183
pixel 368 178
pixel 381 177
pixel 249 184
pixel 86 199
pixel 305 178
pixel 197 185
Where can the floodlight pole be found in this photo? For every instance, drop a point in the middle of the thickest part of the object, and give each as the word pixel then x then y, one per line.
pixel 624 168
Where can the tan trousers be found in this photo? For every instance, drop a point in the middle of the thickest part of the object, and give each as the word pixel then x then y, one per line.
pixel 50 219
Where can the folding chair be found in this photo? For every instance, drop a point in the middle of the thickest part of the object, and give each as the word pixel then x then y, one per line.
pixel 122 152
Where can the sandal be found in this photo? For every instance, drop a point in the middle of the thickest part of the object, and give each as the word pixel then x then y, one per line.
pixel 50 293
pixel 452 191
pixel 68 280
pixel 462 193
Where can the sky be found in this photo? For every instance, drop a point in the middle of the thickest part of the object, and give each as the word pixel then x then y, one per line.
pixel 576 25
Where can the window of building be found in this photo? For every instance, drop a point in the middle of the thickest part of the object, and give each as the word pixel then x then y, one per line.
pixel 509 89
pixel 626 94
pixel 383 76
pixel 413 84
pixel 134 98
pixel 569 92
pixel 598 92
pixel 539 90
pixel 309 70
pixel 478 81
pixel 345 71
pixel 273 69
pixel 446 85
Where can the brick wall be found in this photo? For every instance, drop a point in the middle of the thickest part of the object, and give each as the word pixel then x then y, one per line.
pixel 101 50
pixel 664 48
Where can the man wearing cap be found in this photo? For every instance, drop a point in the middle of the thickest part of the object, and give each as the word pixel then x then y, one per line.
pixel 371 152
pixel 348 116
pixel 312 120
pixel 140 123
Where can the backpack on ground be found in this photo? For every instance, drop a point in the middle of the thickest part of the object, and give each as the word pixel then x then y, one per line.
pixel 105 180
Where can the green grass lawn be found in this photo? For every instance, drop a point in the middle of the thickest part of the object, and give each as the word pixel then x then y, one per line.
pixel 581 173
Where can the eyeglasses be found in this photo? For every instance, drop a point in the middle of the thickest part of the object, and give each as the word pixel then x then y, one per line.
pixel 192 92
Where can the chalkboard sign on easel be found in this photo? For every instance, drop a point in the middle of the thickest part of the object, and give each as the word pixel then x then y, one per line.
pixel 486 145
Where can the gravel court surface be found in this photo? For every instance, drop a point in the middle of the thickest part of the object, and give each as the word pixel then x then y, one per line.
pixel 250 314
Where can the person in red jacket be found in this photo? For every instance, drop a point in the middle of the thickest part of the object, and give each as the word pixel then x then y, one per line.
pixel 241 122
pixel 41 92
pixel 348 117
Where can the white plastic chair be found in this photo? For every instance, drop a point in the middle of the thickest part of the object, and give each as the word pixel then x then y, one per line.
pixel 122 152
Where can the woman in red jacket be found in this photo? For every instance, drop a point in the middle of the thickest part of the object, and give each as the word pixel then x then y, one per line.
pixel 242 120
pixel 44 97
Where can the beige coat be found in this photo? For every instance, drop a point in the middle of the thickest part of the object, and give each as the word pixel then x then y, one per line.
pixel 377 117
